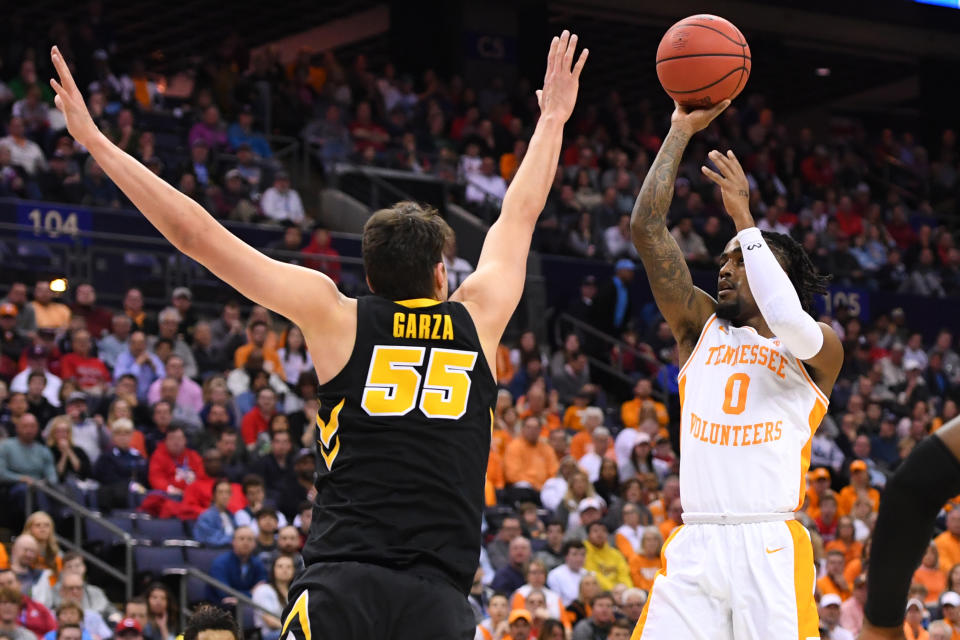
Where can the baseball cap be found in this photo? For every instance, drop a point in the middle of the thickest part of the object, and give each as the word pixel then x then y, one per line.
pixel 8 309
pixel 913 602
pixel 640 438
pixel 858 465
pixel 303 453
pixel 951 598
pixel 76 396
pixel 182 292
pixel 588 280
pixel 128 624
pixel 37 351
pixel 233 173
pixel 820 474
pixel 830 599
pixel 593 502
pixel 516 614
pixel 625 263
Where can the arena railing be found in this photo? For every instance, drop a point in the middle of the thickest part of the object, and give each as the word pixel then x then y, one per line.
pixel 243 601
pixel 81 514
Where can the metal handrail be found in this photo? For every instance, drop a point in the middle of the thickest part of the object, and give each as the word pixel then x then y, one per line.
pixel 83 513
pixel 193 572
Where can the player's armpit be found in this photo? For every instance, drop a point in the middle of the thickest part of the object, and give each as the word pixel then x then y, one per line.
pixel 684 306
pixel 828 361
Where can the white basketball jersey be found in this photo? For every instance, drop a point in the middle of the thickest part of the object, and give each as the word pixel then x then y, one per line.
pixel 748 413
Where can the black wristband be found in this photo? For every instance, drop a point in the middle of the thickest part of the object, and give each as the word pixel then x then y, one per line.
pixel 911 501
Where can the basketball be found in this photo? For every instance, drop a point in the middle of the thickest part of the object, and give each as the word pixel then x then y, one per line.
pixel 703 60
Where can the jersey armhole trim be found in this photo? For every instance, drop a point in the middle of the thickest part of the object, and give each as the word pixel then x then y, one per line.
pixel 417 303
pixel 703 333
pixel 803 371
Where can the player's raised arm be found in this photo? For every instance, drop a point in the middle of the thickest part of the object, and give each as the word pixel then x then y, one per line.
pixel 492 292
pixel 685 307
pixel 814 342
pixel 279 286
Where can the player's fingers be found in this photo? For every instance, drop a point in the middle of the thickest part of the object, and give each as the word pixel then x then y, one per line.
pixel 551 56
pixel 540 98
pixel 561 48
pixel 55 86
pixel 720 161
pixel 568 54
pixel 58 102
pixel 719 108
pixel 577 68
pixel 713 175
pixel 733 159
pixel 66 78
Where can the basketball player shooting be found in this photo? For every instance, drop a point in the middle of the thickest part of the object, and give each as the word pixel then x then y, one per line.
pixel 407 387
pixel 755 384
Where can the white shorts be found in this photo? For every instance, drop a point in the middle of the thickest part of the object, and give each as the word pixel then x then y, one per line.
pixel 733 582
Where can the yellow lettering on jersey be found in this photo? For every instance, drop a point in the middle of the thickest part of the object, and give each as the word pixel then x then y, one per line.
pixel 398 325
pixel 301 614
pixel 447 328
pixel 437 321
pixel 411 326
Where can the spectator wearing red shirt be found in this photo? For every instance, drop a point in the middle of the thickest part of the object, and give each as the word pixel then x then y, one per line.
pixel 98 319
pixel 173 466
pixel 367 133
pixel 816 169
pixel 34 616
pixel 849 220
pixel 257 420
pixel 320 246
pixel 899 228
pixel 199 495
pixel 89 372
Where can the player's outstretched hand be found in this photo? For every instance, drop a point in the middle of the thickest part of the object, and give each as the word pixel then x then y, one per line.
pixel 732 181
pixel 693 120
pixel 70 101
pixel 561 82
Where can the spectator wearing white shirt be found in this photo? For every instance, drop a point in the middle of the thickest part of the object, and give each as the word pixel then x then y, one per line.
pixel 24 153
pixel 457 268
pixel 565 579
pixel 590 462
pixel 771 221
pixel 618 242
pixel 280 202
pixel 37 361
pixel 486 185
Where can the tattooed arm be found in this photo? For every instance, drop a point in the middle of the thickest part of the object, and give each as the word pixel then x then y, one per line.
pixel 685 307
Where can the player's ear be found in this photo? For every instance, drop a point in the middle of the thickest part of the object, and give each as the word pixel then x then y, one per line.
pixel 369 286
pixel 440 280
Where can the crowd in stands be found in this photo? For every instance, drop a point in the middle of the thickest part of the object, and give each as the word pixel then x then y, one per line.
pixel 209 420
pixel 871 207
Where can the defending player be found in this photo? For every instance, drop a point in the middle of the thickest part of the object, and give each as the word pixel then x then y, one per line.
pixel 407 389
pixel 755 384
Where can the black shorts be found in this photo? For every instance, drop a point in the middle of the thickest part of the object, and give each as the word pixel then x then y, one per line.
pixel 357 601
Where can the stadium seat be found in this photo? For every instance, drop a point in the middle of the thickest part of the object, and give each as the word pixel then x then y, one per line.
pixel 196 590
pixel 96 533
pixel 159 529
pixel 202 558
pixel 156 559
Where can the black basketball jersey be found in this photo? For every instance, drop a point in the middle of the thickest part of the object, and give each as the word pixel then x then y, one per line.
pixel 403 436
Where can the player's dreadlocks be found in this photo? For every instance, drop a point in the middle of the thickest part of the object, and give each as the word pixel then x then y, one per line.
pixel 804 276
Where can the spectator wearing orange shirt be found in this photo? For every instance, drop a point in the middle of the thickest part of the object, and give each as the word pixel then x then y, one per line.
pixel 845 541
pixel 582 443
pixel 673 519
pixel 833 581
pixel 528 462
pixel 948 542
pixel 633 412
pixel 645 564
pixel 536 405
pixel 258 340
pixel 930 575
pixel 913 624
pixel 859 483
pixel 819 484
pixel 573 416
pixel 505 368
pixel 494 481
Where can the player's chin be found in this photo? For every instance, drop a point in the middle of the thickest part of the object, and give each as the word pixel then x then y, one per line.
pixel 728 310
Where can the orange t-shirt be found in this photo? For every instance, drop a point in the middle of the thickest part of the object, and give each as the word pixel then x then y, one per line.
pixel 949 548
pixel 848 495
pixel 826 585
pixel 851 551
pixel 630 413
pixel 552 421
pixel 643 570
pixel 813 504
pixel 573 418
pixel 495 469
pixel 934 580
pixel 501 438
pixel 505 370
pixel 524 462
pixel 580 445
pixel 852 570
pixel 269 355
pixel 908 633
pixel 4 558
pixel 666 527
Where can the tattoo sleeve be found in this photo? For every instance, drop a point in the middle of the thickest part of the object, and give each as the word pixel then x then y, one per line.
pixel 666 267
